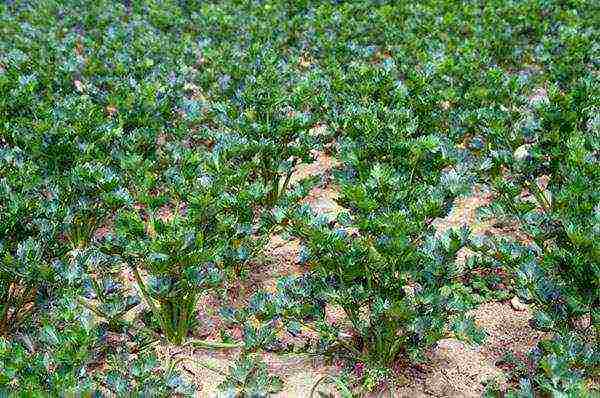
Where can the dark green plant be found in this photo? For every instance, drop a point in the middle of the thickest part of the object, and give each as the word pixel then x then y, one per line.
pixel 541 174
pixel 131 374
pixel 24 274
pixel 268 120
pixel 105 290
pixel 178 249
pixel 51 359
pixel 397 306
pixel 556 367
pixel 380 261
pixel 177 261
pixel 564 365
pixel 111 110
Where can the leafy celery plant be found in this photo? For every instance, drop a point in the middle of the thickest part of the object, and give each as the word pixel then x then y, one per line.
pixel 272 116
pixel 177 262
pixel 541 176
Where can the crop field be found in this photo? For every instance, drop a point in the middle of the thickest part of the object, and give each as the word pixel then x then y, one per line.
pixel 296 198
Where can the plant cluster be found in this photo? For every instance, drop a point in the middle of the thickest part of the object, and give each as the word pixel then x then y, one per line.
pixel 147 152
pixel 541 172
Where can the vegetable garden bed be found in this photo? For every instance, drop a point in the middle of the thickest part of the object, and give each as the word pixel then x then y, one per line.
pixel 296 198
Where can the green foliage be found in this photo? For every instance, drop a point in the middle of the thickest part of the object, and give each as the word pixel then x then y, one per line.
pixel 268 118
pixel 104 288
pixel 564 365
pixel 147 151
pixel 398 305
pixel 22 273
pixel 184 250
pixel 130 374
pixel 28 239
pixel 53 357
pixel 560 219
pixel 561 367
pixel 542 173
pixel 173 255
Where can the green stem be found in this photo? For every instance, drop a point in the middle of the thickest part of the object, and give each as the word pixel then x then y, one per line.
pixel 149 300
pixel 213 344
pixel 200 363
pixel 92 308
pixel 287 178
pixel 539 196
pixel 338 382
pixel 142 287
